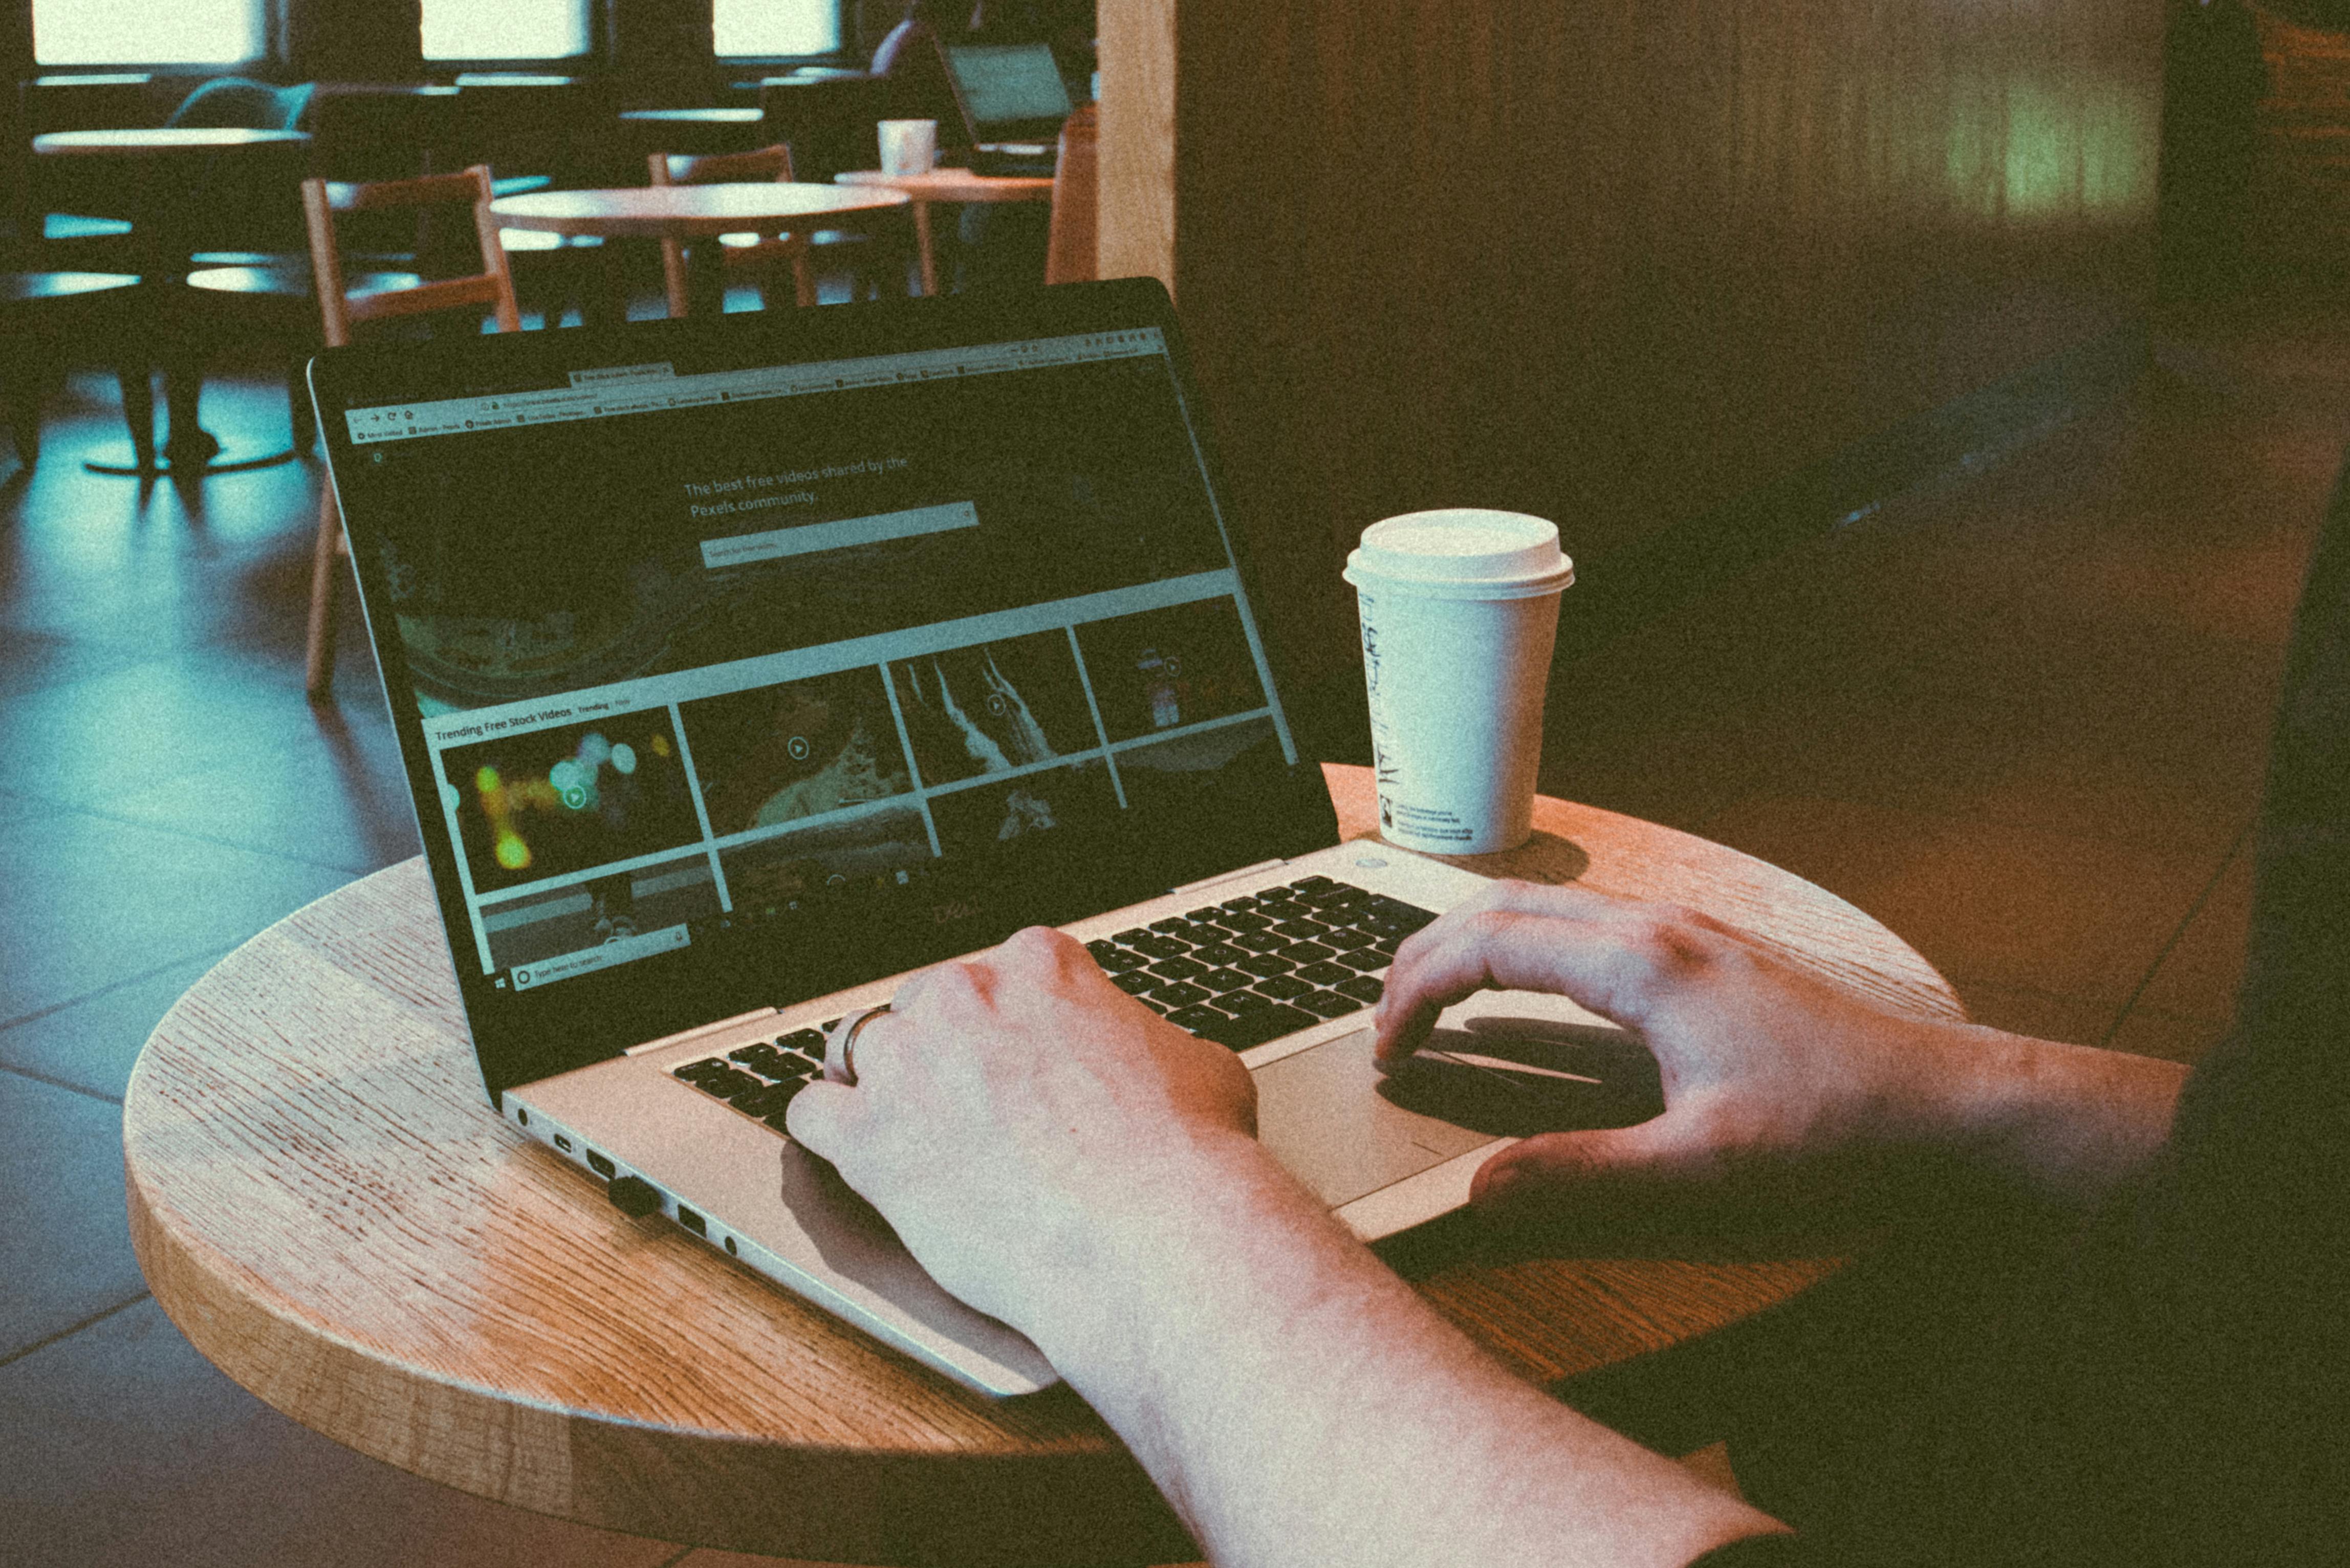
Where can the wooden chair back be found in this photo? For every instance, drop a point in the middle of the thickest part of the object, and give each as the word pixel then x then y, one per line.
pixel 764 164
pixel 339 309
pixel 721 168
pixel 1070 242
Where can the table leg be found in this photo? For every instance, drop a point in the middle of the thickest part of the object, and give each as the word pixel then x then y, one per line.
pixel 188 450
pixel 922 247
pixel 705 277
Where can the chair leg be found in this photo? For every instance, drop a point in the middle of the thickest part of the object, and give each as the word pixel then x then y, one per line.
pixel 803 278
pixel 299 416
pixel 319 677
pixel 136 374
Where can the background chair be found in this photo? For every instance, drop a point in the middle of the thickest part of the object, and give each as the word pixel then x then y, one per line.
pixel 1069 243
pixel 347 304
pixel 764 253
pixel 47 319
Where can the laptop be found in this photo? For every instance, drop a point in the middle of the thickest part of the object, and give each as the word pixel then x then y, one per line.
pixel 742 666
pixel 1013 101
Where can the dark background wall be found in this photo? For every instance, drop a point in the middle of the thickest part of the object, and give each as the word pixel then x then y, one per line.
pixel 1613 263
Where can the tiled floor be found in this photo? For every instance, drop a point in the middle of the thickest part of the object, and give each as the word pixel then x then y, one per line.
pixel 2020 719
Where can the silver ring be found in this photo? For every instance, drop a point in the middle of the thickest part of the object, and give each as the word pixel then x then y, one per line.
pixel 840 1045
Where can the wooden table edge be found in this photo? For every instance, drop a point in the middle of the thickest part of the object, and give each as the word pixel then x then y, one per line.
pixel 608 1469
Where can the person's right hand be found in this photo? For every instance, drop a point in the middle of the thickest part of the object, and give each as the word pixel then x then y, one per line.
pixel 1787 1097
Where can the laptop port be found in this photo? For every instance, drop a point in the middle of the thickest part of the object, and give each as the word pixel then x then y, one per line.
pixel 521 1117
pixel 563 1143
pixel 691 1220
pixel 601 1166
pixel 730 1247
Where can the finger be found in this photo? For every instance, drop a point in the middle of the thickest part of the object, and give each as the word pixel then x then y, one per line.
pixel 1608 964
pixel 1614 1182
pixel 815 1118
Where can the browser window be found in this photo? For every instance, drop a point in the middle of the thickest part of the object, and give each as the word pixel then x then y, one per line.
pixel 746 643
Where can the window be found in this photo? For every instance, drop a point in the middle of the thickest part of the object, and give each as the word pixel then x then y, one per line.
pixel 146 31
pixel 505 30
pixel 776 27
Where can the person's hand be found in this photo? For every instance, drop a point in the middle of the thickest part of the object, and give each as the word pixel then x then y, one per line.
pixel 1018 1119
pixel 1787 1097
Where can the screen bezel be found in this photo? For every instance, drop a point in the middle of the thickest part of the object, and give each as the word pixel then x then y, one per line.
pixel 595 1016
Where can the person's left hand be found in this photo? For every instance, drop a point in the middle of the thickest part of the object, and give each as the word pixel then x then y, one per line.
pixel 1021 1121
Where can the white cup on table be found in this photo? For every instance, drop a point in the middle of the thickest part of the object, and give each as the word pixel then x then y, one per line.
pixel 1460 614
pixel 909 146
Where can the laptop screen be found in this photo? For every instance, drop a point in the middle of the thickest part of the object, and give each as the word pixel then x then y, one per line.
pixel 768 664
pixel 1009 92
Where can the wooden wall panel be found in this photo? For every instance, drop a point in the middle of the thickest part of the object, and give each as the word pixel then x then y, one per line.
pixel 1615 264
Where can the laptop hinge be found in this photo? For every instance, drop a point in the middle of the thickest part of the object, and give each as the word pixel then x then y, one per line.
pixel 682 1035
pixel 1227 876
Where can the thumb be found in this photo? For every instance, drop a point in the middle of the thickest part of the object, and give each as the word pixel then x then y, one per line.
pixel 1582 1166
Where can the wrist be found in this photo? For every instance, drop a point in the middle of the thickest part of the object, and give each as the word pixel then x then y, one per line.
pixel 2064 1122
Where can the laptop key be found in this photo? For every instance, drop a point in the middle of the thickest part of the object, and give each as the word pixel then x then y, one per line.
pixel 1112 957
pixel 1178 968
pixel 1281 909
pixel 1265 965
pixel 1328 1005
pixel 1301 930
pixel 1221 953
pixel 1307 884
pixel 1199 1019
pixel 1236 907
pixel 1363 958
pixel 803 1041
pixel 1308 953
pixel 1242 1001
pixel 1329 975
pixel 1260 941
pixel 1178 995
pixel 1129 938
pixel 1261 1025
pixel 1226 980
pixel 728 1083
pixel 1160 947
pixel 1134 982
pixel 1173 926
pixel 1281 987
pixel 1240 922
pixel 1212 914
pixel 1364 988
pixel 1154 1006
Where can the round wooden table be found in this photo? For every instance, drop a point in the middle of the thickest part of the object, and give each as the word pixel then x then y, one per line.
pixel 955 185
pixel 326 1204
pixel 688 213
pixel 172 196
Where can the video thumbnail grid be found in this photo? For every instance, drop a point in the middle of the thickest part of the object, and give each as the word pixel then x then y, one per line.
pixel 602 835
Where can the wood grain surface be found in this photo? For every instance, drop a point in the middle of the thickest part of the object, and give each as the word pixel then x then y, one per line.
pixel 326 1204
pixel 1615 266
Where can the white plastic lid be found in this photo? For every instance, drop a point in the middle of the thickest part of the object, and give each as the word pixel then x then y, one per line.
pixel 1462 553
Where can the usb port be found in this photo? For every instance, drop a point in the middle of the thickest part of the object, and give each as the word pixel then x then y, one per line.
pixel 691 1220
pixel 563 1143
pixel 601 1166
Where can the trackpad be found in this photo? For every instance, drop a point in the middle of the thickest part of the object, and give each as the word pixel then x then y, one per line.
pixel 1321 1114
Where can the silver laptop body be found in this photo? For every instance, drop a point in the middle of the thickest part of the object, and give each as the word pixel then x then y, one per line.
pixel 736 662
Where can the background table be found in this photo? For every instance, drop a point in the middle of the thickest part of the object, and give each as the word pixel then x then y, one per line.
pixel 325 1203
pixel 176 191
pixel 955 185
pixel 688 213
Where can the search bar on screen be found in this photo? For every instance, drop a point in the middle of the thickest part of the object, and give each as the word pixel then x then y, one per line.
pixel 742 549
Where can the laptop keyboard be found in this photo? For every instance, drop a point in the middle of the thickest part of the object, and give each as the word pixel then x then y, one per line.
pixel 1240 974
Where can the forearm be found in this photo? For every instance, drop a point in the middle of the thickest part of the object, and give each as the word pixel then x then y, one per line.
pixel 2067 1121
pixel 1298 1403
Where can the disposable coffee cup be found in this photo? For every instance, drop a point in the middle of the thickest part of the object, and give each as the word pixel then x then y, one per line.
pixel 1460 612
pixel 909 146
